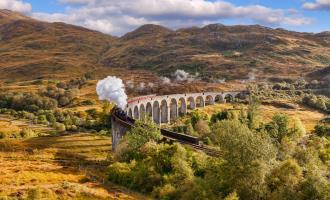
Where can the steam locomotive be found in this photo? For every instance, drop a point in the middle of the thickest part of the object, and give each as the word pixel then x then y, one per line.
pixel 182 138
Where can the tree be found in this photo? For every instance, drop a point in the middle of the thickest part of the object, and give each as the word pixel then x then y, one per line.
pixel 190 129
pixel 202 127
pixel 320 103
pixel 322 130
pixel 284 179
pixel 278 127
pixel 247 156
pixel 197 115
pixel 298 130
pixel 219 116
pixel 252 113
pixel 60 127
pixel 63 101
pixel 140 134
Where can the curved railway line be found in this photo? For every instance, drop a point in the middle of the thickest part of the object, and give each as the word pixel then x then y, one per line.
pixel 120 117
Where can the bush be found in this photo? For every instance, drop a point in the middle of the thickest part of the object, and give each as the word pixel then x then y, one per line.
pixel 223 115
pixel 322 130
pixel 197 115
pixel 26 133
pixel 247 155
pixel 202 127
pixel 284 179
pixel 278 128
pixel 42 119
pixel 26 101
pixel 87 103
pixel 120 173
pixel 317 102
pixel 34 194
pixel 3 135
pixel 60 127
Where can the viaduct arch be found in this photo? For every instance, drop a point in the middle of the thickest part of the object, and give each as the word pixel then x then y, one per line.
pixel 167 108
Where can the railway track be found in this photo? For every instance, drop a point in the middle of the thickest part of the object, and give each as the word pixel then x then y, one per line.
pixel 184 139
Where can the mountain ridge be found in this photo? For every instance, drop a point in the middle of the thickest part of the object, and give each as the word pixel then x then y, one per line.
pixel 31 48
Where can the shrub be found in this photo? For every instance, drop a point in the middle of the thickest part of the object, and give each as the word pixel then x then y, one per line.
pixel 87 103
pixel 34 194
pixel 144 177
pixel 202 127
pixel 199 190
pixel 197 115
pixel 42 119
pixel 322 130
pixel 120 173
pixel 298 129
pixel 142 133
pixel 26 133
pixel 222 115
pixel 284 179
pixel 3 135
pixel 247 156
pixel 278 128
pixel 60 127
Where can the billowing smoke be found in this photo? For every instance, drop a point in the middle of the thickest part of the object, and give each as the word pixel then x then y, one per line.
pixel 181 75
pixel 252 76
pixel 221 80
pixel 141 86
pixel 112 89
pixel 165 80
pixel 151 85
pixel 130 84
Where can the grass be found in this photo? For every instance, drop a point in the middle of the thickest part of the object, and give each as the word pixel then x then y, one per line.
pixel 64 167
pixel 308 117
pixel 10 126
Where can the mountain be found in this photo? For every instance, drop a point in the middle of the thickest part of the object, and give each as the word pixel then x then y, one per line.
pixel 32 49
pixel 222 51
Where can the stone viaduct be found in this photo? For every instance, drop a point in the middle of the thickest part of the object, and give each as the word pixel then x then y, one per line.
pixel 167 108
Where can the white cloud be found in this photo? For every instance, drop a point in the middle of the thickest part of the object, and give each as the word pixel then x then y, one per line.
pixel 15 5
pixel 76 1
pixel 118 17
pixel 318 5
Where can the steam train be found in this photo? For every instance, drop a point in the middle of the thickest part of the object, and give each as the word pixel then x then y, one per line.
pixel 173 136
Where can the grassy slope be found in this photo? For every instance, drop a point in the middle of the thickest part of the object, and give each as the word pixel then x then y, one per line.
pixel 66 167
pixel 32 49
pixel 221 51
pixel 308 117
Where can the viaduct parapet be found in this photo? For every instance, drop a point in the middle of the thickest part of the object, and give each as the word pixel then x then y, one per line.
pixel 167 108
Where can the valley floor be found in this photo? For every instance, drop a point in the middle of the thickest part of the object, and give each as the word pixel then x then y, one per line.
pixel 65 167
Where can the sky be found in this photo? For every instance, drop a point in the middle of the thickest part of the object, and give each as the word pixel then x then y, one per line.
pixel 117 17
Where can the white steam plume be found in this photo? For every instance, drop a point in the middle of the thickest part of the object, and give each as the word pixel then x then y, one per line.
pixel 112 89
pixel 142 86
pixel 181 75
pixel 151 85
pixel 221 80
pixel 130 84
pixel 165 80
pixel 252 76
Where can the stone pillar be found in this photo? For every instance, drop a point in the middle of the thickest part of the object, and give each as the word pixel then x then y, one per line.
pixel 168 112
pixel 203 101
pixel 118 131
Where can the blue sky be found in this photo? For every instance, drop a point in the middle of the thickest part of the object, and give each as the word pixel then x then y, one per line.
pixel 117 17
